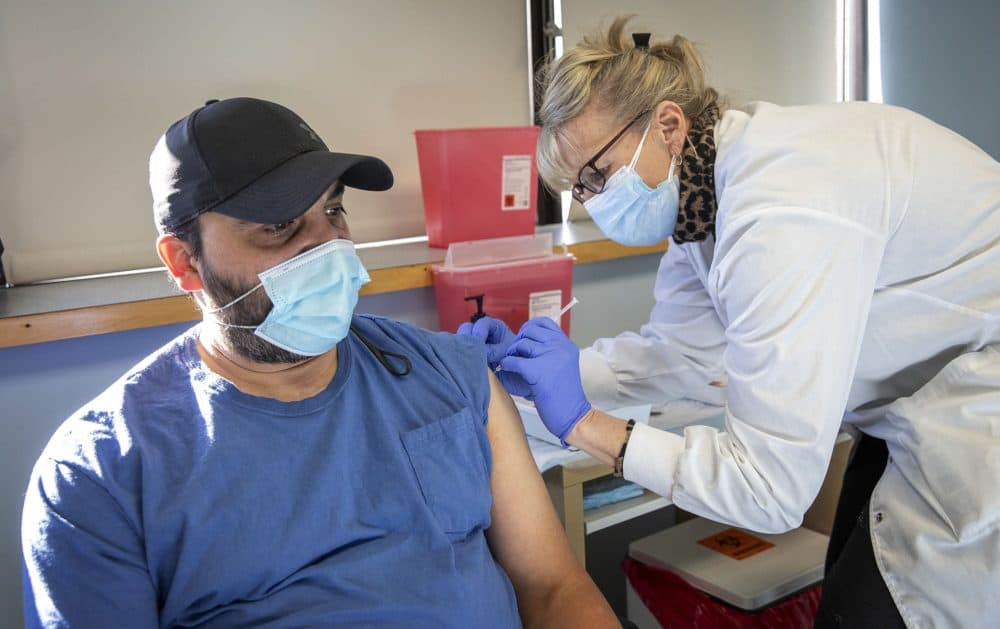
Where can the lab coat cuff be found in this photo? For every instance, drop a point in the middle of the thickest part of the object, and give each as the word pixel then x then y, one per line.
pixel 599 381
pixel 651 459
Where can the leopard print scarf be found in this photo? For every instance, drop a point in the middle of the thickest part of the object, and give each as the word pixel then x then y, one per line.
pixel 696 218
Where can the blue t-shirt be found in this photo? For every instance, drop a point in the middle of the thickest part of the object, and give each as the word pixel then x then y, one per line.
pixel 174 499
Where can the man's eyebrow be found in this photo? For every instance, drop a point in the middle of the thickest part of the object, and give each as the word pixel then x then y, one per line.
pixel 338 190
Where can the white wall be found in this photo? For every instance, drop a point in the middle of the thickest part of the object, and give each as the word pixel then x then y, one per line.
pixel 782 51
pixel 86 88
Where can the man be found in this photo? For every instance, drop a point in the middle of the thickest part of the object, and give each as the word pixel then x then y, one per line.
pixel 286 462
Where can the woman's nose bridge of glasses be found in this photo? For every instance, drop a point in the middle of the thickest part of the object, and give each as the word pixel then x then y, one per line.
pixel 590 178
pixel 582 194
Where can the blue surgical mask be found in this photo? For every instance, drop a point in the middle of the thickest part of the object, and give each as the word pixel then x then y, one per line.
pixel 314 295
pixel 630 212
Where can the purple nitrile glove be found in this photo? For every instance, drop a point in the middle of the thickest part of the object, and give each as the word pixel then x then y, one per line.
pixel 497 335
pixel 543 365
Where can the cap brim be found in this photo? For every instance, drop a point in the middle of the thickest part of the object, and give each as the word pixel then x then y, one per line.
pixel 291 188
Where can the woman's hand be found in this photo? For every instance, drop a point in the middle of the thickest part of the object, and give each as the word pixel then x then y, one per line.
pixel 543 365
pixel 497 335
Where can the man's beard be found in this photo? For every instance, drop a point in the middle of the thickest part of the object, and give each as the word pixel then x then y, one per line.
pixel 251 310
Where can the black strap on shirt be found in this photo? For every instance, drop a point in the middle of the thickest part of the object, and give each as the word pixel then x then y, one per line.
pixel 383 356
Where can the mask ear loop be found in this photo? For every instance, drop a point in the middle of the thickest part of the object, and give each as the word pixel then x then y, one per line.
pixel 234 302
pixel 638 150
pixel 233 325
pixel 223 324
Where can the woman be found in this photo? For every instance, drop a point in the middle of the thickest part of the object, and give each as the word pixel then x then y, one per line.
pixel 831 262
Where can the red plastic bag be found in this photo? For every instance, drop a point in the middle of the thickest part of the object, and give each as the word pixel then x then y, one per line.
pixel 677 604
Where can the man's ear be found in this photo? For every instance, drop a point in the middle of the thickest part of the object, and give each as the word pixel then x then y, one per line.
pixel 671 125
pixel 176 256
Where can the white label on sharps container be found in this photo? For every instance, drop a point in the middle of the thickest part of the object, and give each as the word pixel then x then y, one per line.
pixel 516 188
pixel 546 303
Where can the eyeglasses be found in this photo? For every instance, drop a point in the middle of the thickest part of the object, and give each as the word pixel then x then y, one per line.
pixel 590 178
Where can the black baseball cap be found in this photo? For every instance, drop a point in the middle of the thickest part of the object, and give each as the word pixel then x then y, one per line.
pixel 250 159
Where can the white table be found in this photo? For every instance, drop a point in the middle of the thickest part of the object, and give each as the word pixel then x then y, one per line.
pixel 566 471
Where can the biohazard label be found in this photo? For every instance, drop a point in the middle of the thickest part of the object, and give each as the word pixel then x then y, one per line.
pixel 736 543
pixel 546 303
pixel 516 187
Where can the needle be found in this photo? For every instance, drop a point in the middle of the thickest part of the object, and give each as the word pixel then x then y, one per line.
pixel 557 318
pixel 572 302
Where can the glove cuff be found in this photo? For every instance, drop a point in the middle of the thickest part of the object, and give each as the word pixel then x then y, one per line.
pixel 580 413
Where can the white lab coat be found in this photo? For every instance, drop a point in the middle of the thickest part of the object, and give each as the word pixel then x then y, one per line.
pixel 856 269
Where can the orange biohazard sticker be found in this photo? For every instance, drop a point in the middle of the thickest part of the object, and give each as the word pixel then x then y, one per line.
pixel 736 543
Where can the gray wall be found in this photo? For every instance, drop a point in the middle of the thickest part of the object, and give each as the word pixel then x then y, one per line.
pixel 940 58
pixel 41 384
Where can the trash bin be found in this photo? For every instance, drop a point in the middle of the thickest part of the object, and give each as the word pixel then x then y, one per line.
pixel 702 574
pixel 478 183
pixel 512 279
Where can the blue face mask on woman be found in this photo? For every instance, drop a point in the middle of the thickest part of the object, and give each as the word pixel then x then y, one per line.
pixel 314 295
pixel 630 212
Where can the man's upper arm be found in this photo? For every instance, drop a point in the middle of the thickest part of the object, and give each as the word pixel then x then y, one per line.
pixel 84 562
pixel 526 536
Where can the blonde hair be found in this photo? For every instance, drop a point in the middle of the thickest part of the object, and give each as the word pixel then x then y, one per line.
pixel 608 71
